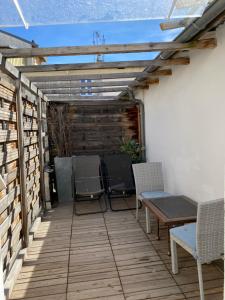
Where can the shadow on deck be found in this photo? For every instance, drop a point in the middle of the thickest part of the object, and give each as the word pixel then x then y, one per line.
pixel 107 256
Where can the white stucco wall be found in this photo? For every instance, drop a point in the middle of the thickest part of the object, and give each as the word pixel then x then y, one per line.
pixel 185 124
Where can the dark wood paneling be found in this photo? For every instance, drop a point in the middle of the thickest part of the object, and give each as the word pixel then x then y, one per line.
pixel 97 129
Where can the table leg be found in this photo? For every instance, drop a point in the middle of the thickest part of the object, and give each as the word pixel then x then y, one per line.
pixel 148 225
pixel 168 238
pixel 158 236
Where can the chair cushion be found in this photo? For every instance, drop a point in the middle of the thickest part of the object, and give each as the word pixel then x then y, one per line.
pixel 186 234
pixel 153 195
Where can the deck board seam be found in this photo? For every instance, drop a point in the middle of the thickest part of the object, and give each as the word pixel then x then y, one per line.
pixel 70 245
pixel 169 271
pixel 117 270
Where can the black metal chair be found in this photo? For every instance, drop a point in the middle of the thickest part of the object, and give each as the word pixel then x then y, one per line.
pixel 118 176
pixel 88 181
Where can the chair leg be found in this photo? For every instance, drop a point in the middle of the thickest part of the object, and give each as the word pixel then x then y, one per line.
pixel 174 260
pixel 148 225
pixel 200 280
pixel 137 204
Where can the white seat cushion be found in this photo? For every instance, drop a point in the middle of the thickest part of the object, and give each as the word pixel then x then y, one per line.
pixel 186 235
pixel 153 195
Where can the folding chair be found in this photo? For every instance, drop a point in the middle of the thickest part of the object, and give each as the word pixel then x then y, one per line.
pixel 87 181
pixel 118 177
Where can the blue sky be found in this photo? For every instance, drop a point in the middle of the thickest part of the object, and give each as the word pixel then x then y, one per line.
pixel 82 34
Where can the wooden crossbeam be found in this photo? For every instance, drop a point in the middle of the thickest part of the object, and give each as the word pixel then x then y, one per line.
pixel 108 49
pixel 106 65
pixel 96 102
pixel 79 98
pixel 145 83
pixel 176 24
pixel 69 78
pixel 78 84
pixel 74 91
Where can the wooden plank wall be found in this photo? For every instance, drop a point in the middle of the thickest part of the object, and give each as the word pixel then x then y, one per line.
pixel 19 156
pixel 45 153
pixel 31 155
pixel 45 133
pixel 90 129
pixel 10 200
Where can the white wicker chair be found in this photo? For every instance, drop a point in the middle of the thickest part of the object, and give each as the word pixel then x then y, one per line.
pixel 149 185
pixel 204 240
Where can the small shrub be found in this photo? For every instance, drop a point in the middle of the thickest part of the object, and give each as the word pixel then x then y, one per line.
pixel 133 149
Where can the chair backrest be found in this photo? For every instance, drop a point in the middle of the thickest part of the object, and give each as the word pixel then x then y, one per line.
pixel 118 169
pixel 87 176
pixel 148 177
pixel 210 230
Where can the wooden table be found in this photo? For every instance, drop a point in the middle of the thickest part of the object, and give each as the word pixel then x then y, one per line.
pixel 172 211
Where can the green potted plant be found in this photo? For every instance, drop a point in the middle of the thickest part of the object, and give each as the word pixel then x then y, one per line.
pixel 133 149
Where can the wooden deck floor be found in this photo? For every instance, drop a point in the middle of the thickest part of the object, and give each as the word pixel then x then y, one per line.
pixel 106 257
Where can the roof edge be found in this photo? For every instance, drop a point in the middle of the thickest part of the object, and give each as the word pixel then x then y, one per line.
pixel 32 43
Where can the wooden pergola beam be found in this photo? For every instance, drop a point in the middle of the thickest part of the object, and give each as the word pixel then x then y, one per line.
pixel 79 98
pixel 106 65
pixel 144 83
pixel 73 78
pixel 74 91
pixel 108 49
pixel 78 84
pixel 96 102
pixel 70 78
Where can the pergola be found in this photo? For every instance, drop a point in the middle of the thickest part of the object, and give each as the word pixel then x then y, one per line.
pixel 24 92
pixel 115 80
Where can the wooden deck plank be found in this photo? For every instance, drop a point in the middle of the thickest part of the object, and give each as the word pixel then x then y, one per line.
pixel 95 293
pixel 48 297
pixel 107 257
pixel 36 292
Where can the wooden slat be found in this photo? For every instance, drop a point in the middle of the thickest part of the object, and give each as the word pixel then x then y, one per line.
pixel 51 88
pixel 9 198
pixel 74 91
pixel 105 65
pixel 8 116
pixel 78 98
pixel 8 135
pixel 109 49
pixel 78 84
pixel 9 220
pixel 65 77
pixel 8 156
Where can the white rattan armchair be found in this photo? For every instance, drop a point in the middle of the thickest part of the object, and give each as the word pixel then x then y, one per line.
pixel 149 184
pixel 204 240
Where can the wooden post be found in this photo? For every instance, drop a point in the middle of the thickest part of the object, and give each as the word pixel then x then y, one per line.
pixel 2 293
pixel 41 152
pixel 22 167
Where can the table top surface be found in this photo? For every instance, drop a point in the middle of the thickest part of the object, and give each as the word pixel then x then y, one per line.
pixel 173 209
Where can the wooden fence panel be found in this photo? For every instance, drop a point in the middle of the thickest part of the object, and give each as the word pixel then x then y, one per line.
pixel 84 129
pixel 45 153
pixel 10 196
pixel 23 155
pixel 31 156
